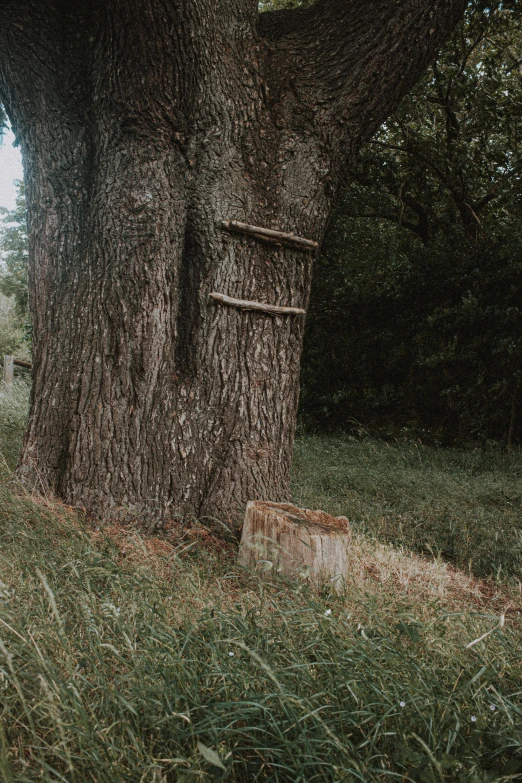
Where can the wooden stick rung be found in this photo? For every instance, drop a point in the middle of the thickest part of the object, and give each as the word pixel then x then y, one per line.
pixel 269 235
pixel 22 363
pixel 244 304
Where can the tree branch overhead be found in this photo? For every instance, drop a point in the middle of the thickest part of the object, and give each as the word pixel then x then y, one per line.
pixel 357 59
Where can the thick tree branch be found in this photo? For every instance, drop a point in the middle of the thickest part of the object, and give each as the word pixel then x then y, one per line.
pixel 24 37
pixel 354 61
pixel 40 61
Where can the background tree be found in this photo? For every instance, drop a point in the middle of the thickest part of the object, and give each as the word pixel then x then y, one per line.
pixel 451 153
pixel 11 330
pixel 14 324
pixel 14 253
pixel 417 297
pixel 143 126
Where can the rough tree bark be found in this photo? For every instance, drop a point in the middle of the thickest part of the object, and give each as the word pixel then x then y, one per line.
pixel 144 124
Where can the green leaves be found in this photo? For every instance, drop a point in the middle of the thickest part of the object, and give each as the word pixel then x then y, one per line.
pixel 14 253
pixel 210 755
pixel 415 321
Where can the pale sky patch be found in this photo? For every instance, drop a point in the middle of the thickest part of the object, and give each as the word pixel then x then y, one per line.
pixel 10 169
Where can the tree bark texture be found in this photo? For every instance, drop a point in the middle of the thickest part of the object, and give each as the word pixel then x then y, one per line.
pixel 144 125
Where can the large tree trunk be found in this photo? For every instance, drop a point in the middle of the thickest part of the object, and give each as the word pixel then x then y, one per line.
pixel 144 125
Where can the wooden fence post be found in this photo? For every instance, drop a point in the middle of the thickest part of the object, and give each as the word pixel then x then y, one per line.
pixel 8 370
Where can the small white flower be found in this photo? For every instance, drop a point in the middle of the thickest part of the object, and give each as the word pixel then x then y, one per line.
pixel 473 718
pixel 328 613
pixel 231 654
pixel 492 707
pixel 402 704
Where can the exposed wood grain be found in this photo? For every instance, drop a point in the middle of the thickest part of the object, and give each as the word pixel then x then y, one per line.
pixel 8 370
pixel 296 542
pixel 261 307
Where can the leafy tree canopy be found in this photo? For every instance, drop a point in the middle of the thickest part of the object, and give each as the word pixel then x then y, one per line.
pixel 451 153
pixel 415 317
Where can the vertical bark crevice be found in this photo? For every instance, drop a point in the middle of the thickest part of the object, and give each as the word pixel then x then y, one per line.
pixel 193 268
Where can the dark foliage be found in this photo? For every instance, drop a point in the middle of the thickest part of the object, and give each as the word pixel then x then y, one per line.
pixel 415 319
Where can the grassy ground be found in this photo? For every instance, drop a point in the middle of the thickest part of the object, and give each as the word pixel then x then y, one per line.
pixel 463 505
pixel 131 659
pixel 13 415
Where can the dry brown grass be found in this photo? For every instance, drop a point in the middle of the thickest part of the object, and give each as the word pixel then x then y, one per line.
pixel 378 570
pixel 380 573
pixel 421 581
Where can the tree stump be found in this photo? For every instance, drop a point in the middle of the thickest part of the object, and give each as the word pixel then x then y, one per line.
pixel 296 542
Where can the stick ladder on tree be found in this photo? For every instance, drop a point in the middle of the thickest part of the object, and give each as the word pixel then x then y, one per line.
pixel 270 235
pixel 261 307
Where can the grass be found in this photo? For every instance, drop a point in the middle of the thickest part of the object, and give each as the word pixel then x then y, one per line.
pixel 463 505
pixel 13 414
pixel 158 660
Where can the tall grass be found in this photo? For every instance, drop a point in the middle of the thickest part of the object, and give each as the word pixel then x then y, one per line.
pixel 14 402
pixel 463 505
pixel 112 673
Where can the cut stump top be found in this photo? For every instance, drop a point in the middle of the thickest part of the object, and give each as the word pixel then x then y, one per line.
pixel 304 516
